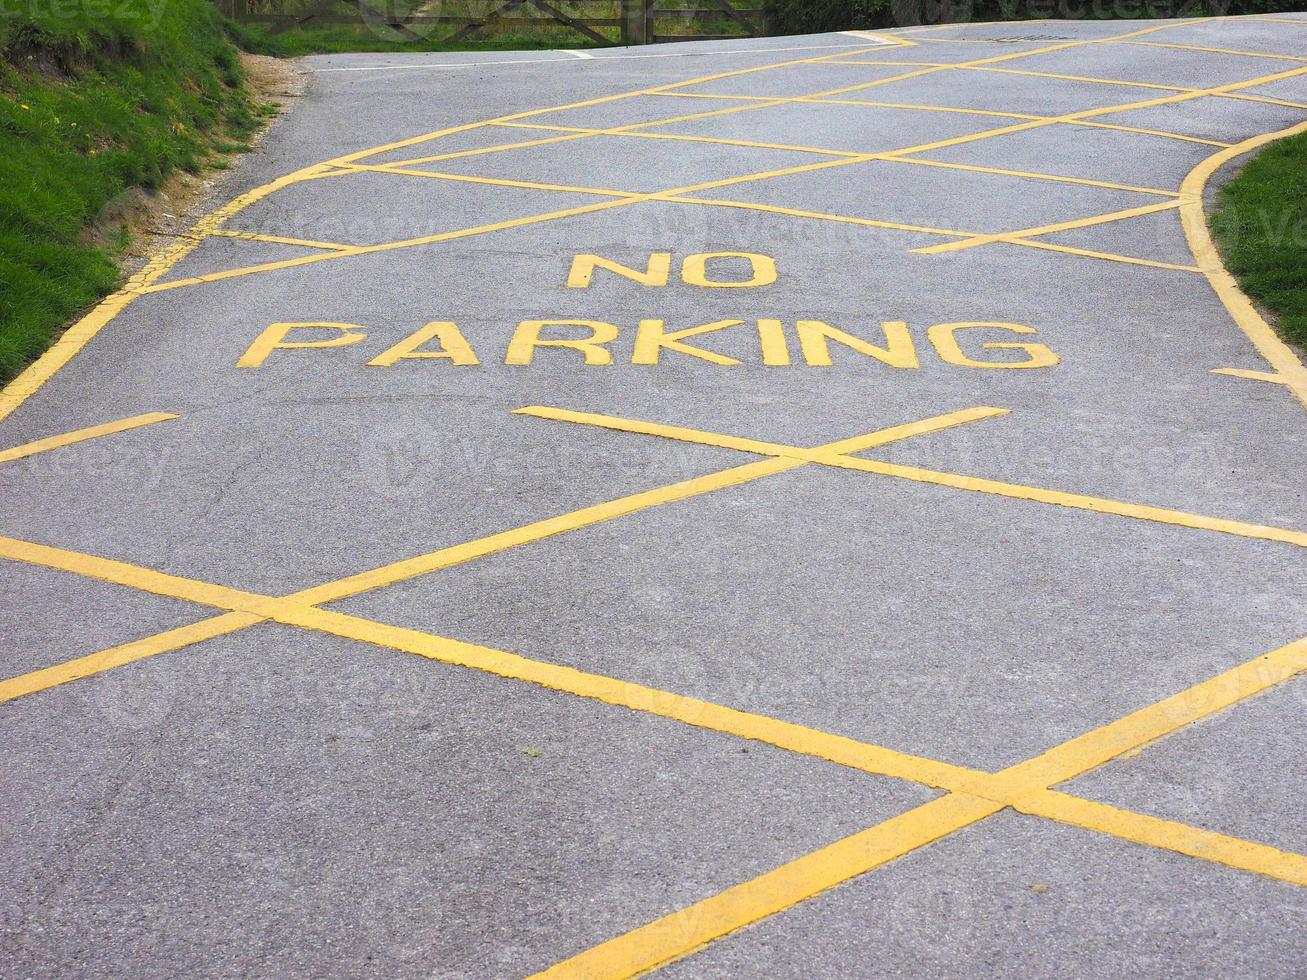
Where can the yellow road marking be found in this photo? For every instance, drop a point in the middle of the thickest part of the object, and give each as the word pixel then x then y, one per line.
pixel 345 161
pixel 1090 79
pixel 961 110
pixel 1195 47
pixel 586 103
pixel 1025 785
pixel 938 144
pixel 1106 256
pixel 1118 215
pixel 921 108
pixel 815 100
pixel 1265 99
pixel 1019 786
pixel 254 236
pixel 818 215
pixel 385 247
pixel 81 435
pixel 681 933
pixel 1147 132
pixel 499 226
pixel 98 663
pixel 892 156
pixel 1086 78
pixel 1170 835
pixel 833 457
pixel 896 226
pixel 1267 376
pixel 1012 236
pixel 919 162
pixel 1154 831
pixel 447 557
pixel 1275 351
pixel 481 151
pixel 496 181
pixel 1012 787
pixel 680 138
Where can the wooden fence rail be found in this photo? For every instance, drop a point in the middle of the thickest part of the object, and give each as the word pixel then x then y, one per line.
pixel 598 21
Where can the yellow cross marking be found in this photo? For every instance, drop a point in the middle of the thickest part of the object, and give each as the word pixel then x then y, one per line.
pixel 1286 364
pixel 971 794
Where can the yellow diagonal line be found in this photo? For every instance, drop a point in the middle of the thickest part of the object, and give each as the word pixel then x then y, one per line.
pixel 1116 215
pixel 890 156
pixel 1020 786
pixel 1170 835
pixel 484 150
pixel 254 236
pixel 1162 133
pixel 1023 786
pixel 916 474
pixel 918 162
pixel 1195 47
pixel 1015 236
pixel 126 653
pixel 411 567
pixel 346 161
pixel 386 247
pixel 686 138
pixel 815 215
pixel 686 930
pixel 496 181
pixel 923 229
pixel 1106 256
pixel 81 435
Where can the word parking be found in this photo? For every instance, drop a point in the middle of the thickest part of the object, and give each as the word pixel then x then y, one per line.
pixel 982 344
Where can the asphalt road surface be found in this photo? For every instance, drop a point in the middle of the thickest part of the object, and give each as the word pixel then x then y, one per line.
pixel 793 507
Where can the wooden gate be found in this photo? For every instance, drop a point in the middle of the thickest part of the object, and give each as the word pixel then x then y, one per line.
pixel 654 21
pixel 452 21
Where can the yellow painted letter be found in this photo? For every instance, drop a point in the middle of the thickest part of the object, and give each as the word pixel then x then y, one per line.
pixel 943 336
pixel 652 338
pixel 694 270
pixel 274 338
pixel 527 338
pixel 655 274
pixel 775 351
pixel 898 352
pixel 453 346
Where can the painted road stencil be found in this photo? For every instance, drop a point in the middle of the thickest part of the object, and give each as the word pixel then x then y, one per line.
pixel 806 507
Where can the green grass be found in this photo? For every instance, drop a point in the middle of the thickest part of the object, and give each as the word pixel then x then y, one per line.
pixel 96 98
pixel 1260 226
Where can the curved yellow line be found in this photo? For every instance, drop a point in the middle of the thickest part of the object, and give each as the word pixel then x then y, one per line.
pixel 1288 368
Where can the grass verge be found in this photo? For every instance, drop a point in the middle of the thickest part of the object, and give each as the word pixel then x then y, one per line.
pixel 1260 226
pixel 97 99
